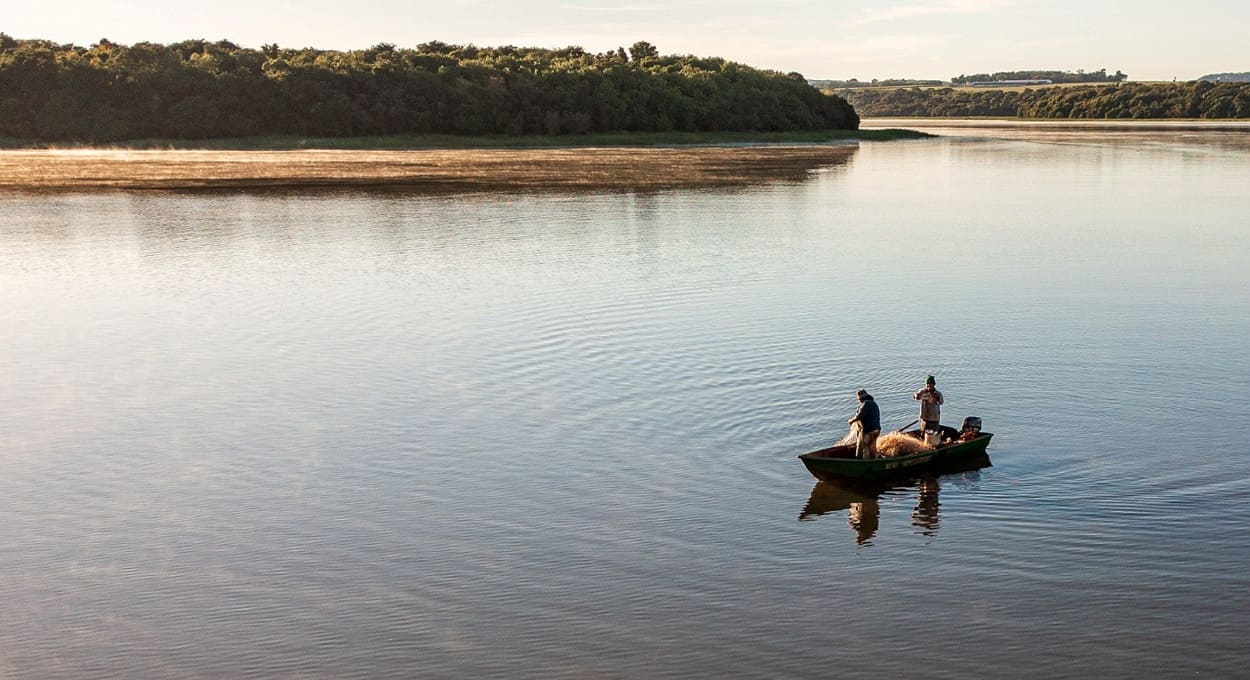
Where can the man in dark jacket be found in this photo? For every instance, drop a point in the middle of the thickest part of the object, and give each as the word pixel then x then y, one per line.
pixel 868 417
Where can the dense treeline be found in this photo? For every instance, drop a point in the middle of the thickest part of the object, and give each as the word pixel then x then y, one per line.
pixel 1099 76
pixel 1126 100
pixel 197 89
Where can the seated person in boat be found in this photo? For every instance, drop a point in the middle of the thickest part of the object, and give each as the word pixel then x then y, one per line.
pixel 868 418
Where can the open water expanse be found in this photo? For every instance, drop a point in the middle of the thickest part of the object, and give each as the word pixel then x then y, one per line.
pixel 553 434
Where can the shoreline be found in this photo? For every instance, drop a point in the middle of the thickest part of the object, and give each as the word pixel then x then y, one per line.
pixel 429 142
pixel 1105 124
pixel 625 168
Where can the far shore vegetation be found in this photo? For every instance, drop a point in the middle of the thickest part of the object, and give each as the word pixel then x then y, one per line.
pixel 1201 100
pixel 1057 77
pixel 199 90
pixel 401 142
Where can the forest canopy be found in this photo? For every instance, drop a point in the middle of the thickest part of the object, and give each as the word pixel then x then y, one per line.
pixel 197 89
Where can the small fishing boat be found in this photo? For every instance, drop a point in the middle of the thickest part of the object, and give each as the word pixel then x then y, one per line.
pixel 838 463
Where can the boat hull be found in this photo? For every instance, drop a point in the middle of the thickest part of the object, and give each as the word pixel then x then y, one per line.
pixel 838 463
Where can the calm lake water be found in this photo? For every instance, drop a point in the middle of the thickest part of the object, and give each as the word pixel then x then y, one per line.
pixel 553 435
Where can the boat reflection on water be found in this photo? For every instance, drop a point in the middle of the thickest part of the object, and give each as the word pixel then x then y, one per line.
pixel 864 517
pixel 925 515
pixel 862 500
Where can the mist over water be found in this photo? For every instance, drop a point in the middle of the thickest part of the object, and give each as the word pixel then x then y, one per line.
pixel 553 433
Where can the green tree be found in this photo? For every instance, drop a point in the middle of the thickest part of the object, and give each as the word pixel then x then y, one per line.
pixel 642 50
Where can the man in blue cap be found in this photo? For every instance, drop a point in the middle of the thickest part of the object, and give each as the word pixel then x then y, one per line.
pixel 930 406
pixel 868 417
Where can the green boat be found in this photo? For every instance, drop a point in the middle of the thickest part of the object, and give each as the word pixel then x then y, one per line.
pixel 838 463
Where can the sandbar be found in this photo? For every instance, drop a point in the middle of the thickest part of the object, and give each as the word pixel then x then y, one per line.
pixel 635 168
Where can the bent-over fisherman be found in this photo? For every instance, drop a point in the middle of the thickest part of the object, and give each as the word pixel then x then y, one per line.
pixel 868 418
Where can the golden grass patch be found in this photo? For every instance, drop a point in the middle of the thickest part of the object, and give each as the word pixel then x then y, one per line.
pixel 475 169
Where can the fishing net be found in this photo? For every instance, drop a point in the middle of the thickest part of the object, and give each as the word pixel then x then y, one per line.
pixel 894 444
pixel 889 445
pixel 851 436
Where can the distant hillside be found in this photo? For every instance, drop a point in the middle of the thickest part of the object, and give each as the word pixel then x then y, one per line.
pixel 197 89
pixel 1243 77
pixel 1126 100
pixel 1099 76
pixel 893 82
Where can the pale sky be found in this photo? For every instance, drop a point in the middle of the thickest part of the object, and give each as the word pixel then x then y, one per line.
pixel 828 39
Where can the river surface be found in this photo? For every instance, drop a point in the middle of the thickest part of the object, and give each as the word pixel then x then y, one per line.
pixel 552 434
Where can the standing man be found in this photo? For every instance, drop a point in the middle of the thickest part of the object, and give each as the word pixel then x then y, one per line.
pixel 930 406
pixel 869 419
